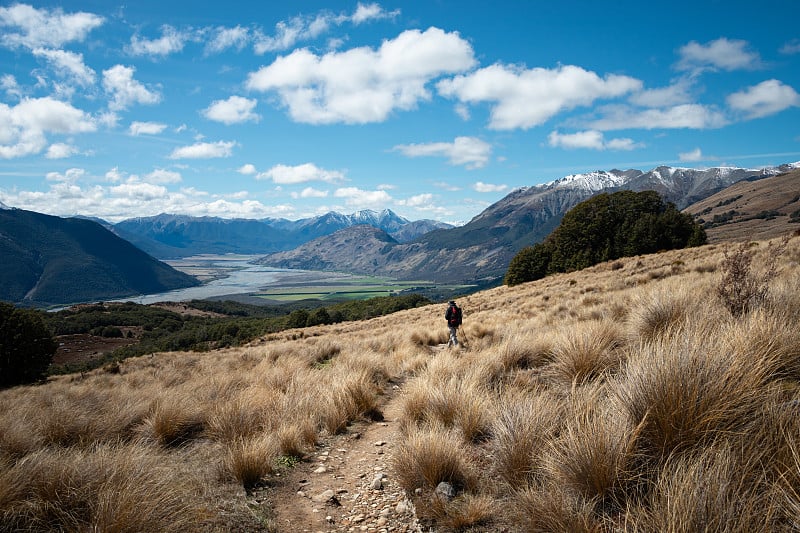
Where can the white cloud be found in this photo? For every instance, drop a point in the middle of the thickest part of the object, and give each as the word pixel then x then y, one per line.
pixel 766 98
pixel 70 176
pixel 417 201
pixel 146 128
pixel 447 186
pixel 368 12
pixel 225 38
pixel 363 85
pixel 692 116
pixel 26 26
pixel 468 151
pixel 310 192
pixel 524 98
pixel 692 156
pixel 292 175
pixel 60 151
pixel 171 41
pixel 125 91
pixel 161 176
pixel 9 84
pixel 488 187
pixel 204 150
pixel 234 110
pixel 791 47
pixel 247 169
pixel 675 94
pixel 589 139
pixel 359 198
pixel 68 65
pixel 722 54
pixel 23 128
pixel 287 34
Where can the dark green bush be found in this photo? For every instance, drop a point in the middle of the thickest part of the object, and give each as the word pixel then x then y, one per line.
pixel 607 227
pixel 26 346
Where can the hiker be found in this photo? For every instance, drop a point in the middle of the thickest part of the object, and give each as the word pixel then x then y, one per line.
pixel 453 317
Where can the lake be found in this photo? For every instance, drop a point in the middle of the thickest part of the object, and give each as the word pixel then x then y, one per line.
pixel 225 275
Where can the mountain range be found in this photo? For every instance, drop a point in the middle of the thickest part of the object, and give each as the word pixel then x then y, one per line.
pixel 173 236
pixel 480 251
pixel 47 260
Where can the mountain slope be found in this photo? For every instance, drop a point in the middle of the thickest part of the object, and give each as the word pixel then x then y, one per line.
pixel 47 260
pixel 761 209
pixel 482 249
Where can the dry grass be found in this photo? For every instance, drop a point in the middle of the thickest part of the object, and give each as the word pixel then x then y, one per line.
pixel 622 397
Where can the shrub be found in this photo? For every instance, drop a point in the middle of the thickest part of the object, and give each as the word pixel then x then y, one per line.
pixel 26 346
pixel 740 287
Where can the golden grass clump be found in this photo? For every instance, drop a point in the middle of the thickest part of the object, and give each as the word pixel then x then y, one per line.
pixel 251 459
pixel 585 352
pixel 429 456
pixel 113 487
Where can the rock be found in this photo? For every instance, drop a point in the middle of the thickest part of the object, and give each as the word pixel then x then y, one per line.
pixel 402 508
pixel 324 496
pixel 377 482
pixel 445 490
pixel 380 443
pixel 320 470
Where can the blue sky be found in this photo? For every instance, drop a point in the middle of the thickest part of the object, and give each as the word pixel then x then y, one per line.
pixel 433 109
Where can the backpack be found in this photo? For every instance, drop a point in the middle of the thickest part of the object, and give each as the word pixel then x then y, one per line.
pixel 454 316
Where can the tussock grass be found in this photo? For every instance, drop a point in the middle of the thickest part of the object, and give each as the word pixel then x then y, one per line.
pixel 429 456
pixel 624 397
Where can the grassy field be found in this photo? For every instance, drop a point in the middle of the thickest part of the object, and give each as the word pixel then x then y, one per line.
pixel 633 396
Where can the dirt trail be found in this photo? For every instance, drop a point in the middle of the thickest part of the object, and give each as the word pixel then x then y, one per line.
pixel 346 485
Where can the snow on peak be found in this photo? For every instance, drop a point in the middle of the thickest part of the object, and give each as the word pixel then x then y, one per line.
pixel 590 181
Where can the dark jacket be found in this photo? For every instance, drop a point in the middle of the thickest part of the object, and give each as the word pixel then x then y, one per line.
pixel 453 315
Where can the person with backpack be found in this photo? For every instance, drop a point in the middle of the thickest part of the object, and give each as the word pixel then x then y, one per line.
pixel 453 317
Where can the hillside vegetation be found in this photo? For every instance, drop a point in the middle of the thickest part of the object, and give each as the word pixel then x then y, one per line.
pixel 623 397
pixel 47 260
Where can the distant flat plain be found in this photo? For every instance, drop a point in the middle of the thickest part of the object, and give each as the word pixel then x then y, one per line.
pixel 236 276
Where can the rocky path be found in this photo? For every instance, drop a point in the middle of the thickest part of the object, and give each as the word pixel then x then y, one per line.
pixel 347 485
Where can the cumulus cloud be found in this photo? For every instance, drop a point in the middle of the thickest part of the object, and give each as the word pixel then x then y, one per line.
pixel 309 192
pixel 26 26
pixel 675 94
pixel 524 98
pixel 204 150
pixel 60 151
pixel 767 98
pixel 417 201
pixel 590 139
pixel 24 127
pixel 68 65
pixel 292 175
pixel 488 187
pixel 247 169
pixel 721 54
pixel 8 83
pixel 359 198
pixel 468 151
pixel 125 91
pixel 234 110
pixel 691 156
pixel 288 33
pixel 692 116
pixel 171 41
pixel 363 85
pixel 146 128
pixel 161 176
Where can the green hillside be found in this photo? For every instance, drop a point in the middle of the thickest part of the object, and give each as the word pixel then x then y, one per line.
pixel 46 260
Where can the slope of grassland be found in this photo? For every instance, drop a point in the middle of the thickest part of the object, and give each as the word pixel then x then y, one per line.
pixel 624 397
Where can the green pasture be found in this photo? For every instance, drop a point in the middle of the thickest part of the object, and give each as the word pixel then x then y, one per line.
pixel 359 288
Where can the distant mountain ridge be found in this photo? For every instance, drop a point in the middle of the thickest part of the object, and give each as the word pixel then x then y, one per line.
pixel 481 250
pixel 169 236
pixel 47 260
